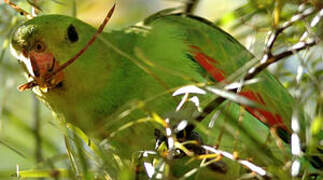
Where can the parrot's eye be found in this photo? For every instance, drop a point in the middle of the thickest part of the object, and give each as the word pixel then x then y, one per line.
pixel 72 34
pixel 40 47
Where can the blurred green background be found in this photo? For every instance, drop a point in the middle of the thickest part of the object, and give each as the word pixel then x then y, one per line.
pixel 248 21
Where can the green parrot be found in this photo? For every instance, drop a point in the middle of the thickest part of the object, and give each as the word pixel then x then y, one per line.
pixel 138 64
pixel 182 49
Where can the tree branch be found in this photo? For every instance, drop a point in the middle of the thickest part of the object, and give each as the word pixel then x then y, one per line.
pixel 18 9
pixel 268 57
pixel 190 6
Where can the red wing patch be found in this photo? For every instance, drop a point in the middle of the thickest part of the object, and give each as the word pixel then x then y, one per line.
pixel 272 120
pixel 208 64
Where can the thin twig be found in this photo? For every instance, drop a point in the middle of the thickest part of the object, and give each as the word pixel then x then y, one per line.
pixel 257 169
pixel 21 154
pixel 274 34
pixel 18 9
pixel 275 58
pixel 74 10
pixel 190 6
pixel 35 8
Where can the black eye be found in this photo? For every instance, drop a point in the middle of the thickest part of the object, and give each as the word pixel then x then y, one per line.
pixel 40 46
pixel 72 34
pixel 59 85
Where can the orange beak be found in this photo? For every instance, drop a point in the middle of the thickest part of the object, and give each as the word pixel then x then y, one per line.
pixel 42 66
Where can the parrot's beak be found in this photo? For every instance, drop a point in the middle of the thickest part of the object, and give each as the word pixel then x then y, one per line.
pixel 40 66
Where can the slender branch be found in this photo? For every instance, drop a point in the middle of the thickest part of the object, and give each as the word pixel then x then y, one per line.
pixel 274 34
pixel 209 108
pixel 74 10
pixel 35 8
pixel 18 9
pixel 12 148
pixel 190 6
pixel 259 170
pixel 275 58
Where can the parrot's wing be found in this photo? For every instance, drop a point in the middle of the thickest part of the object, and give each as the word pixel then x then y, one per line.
pixel 195 48
pixel 220 55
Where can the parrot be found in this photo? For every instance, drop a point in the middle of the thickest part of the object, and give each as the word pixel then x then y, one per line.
pixel 141 63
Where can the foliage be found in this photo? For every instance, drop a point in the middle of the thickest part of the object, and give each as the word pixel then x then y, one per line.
pixel 242 149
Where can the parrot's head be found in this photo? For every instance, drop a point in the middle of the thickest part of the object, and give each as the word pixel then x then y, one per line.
pixel 44 43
